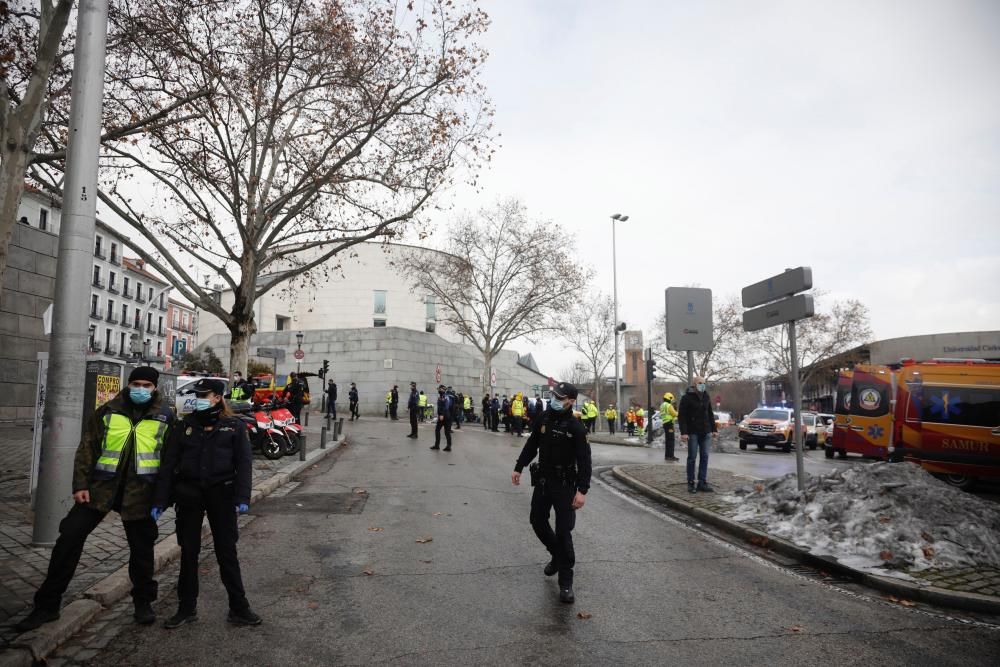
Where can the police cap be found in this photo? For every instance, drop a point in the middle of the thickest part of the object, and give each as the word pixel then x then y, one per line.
pixel 206 385
pixel 565 390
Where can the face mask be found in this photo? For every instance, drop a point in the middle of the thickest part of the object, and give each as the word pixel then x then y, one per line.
pixel 556 404
pixel 701 387
pixel 140 395
pixel 201 404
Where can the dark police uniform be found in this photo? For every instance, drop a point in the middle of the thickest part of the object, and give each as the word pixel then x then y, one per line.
pixel 564 467
pixel 211 464
pixel 413 405
pixel 444 406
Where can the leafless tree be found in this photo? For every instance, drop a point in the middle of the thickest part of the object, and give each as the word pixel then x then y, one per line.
pixel 506 276
pixel 328 123
pixel 829 332
pixel 588 327
pixel 732 356
pixel 36 49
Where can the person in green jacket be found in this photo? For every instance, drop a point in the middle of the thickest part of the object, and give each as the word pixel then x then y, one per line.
pixel 115 468
pixel 668 414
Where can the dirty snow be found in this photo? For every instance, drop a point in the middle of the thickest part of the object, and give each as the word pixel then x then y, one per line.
pixel 880 518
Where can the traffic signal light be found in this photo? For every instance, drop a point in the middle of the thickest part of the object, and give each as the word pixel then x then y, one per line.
pixel 650 370
pixel 326 369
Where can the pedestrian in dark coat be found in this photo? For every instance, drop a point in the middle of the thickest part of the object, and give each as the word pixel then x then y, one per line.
pixel 208 469
pixel 444 409
pixel 394 403
pixel 696 420
pixel 413 406
pixel 352 397
pixel 331 399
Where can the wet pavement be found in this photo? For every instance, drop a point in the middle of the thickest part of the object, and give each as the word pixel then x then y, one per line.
pixel 388 553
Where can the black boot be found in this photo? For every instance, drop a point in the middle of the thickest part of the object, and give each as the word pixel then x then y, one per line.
pixel 243 617
pixel 38 617
pixel 144 614
pixel 566 594
pixel 180 618
pixel 551 568
pixel 705 488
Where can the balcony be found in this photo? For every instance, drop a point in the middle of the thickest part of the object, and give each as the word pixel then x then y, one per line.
pixel 140 298
pixel 126 294
pixel 161 332
pixel 116 260
pixel 113 289
pixel 137 325
pixel 98 283
pixel 111 350
pixel 99 253
pixel 112 318
pixel 96 313
pixel 163 307
pixel 150 330
pixel 95 346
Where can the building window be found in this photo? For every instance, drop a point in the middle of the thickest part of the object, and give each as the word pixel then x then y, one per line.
pixel 111 279
pixel 380 321
pixel 380 302
pixel 43 219
pixel 184 320
pixel 107 338
pixel 430 326
pixel 98 247
pixel 159 327
pixel 93 304
pixel 121 346
pixel 431 306
pixel 114 253
pixel 151 294
pixel 125 286
pixel 282 323
pixel 138 318
pixel 97 276
pixel 176 318
pixel 124 317
pixel 138 291
pixel 111 310
pixel 149 322
pixel 159 348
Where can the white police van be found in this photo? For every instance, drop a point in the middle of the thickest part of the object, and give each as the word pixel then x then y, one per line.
pixel 184 398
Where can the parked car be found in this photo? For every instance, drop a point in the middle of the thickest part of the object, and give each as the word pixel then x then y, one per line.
pixel 815 434
pixel 769 426
pixel 723 419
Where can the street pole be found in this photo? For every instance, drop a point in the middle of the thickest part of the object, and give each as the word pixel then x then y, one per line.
pixel 649 396
pixel 64 409
pixel 614 272
pixel 690 354
pixel 797 406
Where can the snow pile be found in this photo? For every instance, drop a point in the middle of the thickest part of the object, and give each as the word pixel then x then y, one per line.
pixel 877 517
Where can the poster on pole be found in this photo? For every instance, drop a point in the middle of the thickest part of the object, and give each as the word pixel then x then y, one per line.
pixel 102 383
pixel 36 434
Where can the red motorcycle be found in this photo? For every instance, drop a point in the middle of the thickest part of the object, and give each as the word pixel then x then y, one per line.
pixel 284 420
pixel 265 437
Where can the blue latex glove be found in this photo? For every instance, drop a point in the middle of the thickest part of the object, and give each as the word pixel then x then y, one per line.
pixel 156 513
pixel 242 508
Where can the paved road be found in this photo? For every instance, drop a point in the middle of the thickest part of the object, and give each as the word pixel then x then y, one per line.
pixel 658 593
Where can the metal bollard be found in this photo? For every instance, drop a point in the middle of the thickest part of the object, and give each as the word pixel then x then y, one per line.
pixel 322 438
pixel 340 428
pixel 307 418
pixel 302 447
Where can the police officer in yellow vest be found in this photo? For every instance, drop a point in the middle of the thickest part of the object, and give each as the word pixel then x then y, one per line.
pixel 612 416
pixel 517 410
pixel 668 414
pixel 116 465
pixel 592 414
pixel 422 404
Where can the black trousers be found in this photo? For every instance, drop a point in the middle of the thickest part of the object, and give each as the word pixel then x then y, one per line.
pixel 73 532
pixel 413 421
pixel 668 440
pixel 296 410
pixel 611 426
pixel 394 411
pixel 219 503
pixel 355 414
pixel 518 425
pixel 495 421
pixel 446 425
pixel 559 542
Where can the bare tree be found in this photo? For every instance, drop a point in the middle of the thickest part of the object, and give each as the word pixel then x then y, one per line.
pixel 577 374
pixel 589 329
pixel 844 326
pixel 732 356
pixel 329 123
pixel 506 276
pixel 35 74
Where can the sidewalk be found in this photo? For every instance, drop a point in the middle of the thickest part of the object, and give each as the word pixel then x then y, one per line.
pixel 22 566
pixel 974 589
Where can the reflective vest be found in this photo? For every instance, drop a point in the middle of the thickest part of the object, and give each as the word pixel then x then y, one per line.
pixel 611 413
pixel 388 397
pixel 468 403
pixel 592 411
pixel 422 401
pixel 517 408
pixel 237 394
pixel 148 438
pixel 667 412
pixel 630 416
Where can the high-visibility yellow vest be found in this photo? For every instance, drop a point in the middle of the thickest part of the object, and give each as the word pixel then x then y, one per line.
pixel 592 411
pixel 667 412
pixel 517 408
pixel 422 401
pixel 237 394
pixel 388 397
pixel 611 413
pixel 468 403
pixel 148 435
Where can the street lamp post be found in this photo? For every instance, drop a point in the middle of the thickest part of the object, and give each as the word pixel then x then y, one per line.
pixel 617 217
pixel 298 339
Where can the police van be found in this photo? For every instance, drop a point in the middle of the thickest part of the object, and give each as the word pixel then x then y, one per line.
pixel 184 399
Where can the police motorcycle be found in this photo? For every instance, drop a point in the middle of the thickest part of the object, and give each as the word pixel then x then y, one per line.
pixel 264 437
pixel 284 420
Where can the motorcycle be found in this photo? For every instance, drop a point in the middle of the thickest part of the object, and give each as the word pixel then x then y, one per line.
pixel 264 436
pixel 284 420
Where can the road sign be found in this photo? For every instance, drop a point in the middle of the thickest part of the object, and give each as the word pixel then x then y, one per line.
pixel 689 319
pixel 299 355
pixel 796 307
pixel 276 353
pixel 784 284
pixel 437 374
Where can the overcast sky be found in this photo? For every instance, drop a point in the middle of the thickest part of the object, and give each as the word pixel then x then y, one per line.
pixel 861 138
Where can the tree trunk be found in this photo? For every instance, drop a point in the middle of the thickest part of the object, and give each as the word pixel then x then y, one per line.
pixel 239 345
pixel 15 161
pixel 487 360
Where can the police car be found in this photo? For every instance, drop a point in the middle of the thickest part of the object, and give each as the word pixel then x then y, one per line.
pixel 184 398
pixel 769 426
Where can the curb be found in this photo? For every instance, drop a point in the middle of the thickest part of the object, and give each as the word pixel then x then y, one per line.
pixel 38 644
pixel 928 594
pixel 612 441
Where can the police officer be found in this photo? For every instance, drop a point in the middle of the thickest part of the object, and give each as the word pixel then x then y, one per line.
pixel 394 403
pixel 495 414
pixel 207 470
pixel 561 480
pixel 242 390
pixel 115 468
pixel 444 407
pixel 413 405
pixel 295 394
pixel 668 415
pixel 352 398
pixel 486 411
pixel 331 399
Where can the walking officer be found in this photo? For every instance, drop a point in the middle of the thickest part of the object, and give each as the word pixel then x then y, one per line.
pixel 444 406
pixel 413 405
pixel 115 468
pixel 561 479
pixel 668 415
pixel 207 469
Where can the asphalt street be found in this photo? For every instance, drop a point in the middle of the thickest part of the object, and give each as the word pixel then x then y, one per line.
pixel 391 553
